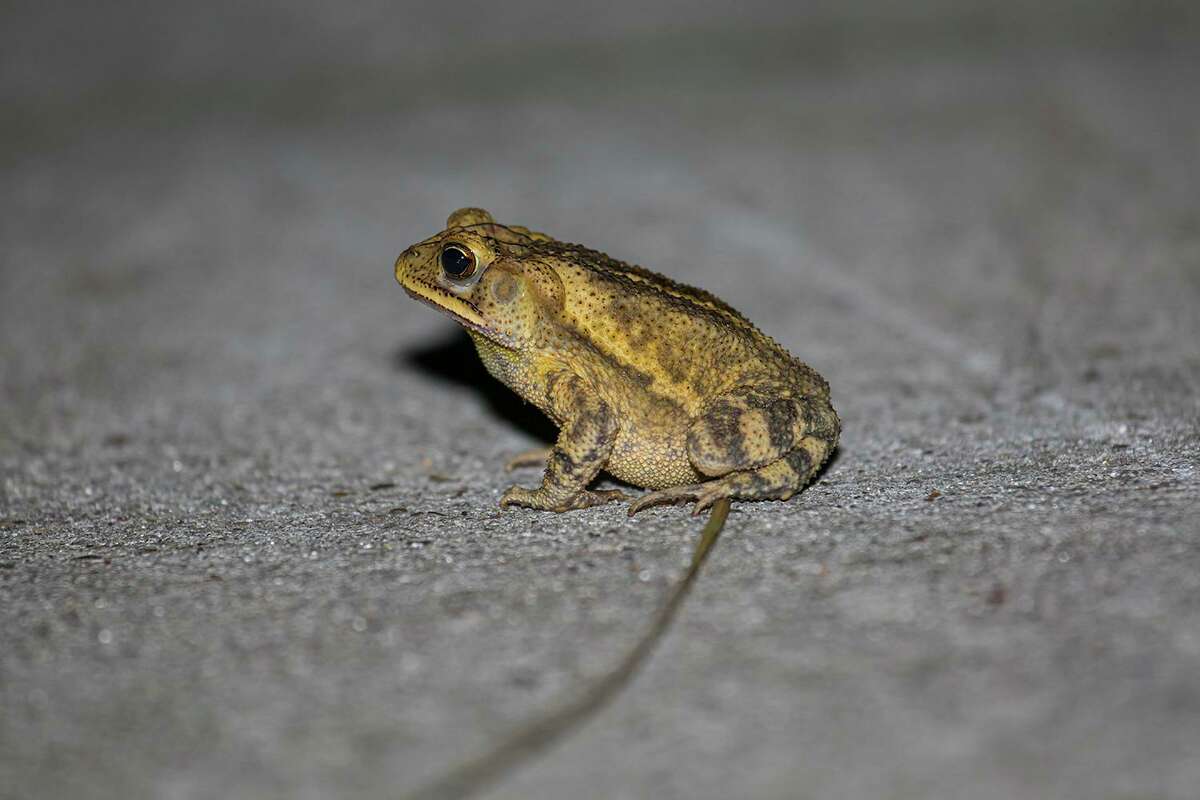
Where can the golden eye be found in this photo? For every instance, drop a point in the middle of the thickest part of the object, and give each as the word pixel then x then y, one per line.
pixel 458 262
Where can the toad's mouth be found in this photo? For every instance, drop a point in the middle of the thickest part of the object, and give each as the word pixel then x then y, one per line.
pixel 437 298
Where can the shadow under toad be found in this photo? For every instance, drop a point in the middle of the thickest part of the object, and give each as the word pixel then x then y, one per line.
pixel 453 359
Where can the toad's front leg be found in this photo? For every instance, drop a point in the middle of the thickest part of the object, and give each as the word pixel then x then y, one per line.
pixel 584 444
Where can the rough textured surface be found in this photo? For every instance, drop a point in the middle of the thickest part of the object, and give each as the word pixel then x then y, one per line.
pixel 249 543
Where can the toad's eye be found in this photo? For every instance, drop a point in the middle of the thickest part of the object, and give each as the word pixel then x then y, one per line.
pixel 458 262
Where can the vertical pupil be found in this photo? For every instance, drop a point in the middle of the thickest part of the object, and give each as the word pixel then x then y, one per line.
pixel 456 262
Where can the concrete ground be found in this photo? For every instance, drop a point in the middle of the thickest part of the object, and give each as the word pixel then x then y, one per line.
pixel 249 540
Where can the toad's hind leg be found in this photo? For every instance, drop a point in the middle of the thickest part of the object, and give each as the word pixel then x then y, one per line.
pixel 752 427
pixel 778 480
pixel 757 445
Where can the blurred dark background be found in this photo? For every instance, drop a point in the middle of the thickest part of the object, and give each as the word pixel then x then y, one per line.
pixel 248 536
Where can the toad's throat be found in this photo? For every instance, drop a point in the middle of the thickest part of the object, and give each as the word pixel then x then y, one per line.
pixel 438 299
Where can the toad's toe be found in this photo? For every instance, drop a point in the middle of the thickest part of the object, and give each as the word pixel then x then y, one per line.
pixel 676 494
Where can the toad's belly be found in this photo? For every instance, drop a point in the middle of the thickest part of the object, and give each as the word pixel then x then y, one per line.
pixel 653 457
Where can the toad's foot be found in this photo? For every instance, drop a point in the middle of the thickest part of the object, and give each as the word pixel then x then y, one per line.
pixel 543 500
pixel 704 495
pixel 530 458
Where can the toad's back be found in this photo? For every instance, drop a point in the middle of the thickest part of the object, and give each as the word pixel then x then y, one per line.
pixel 679 341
